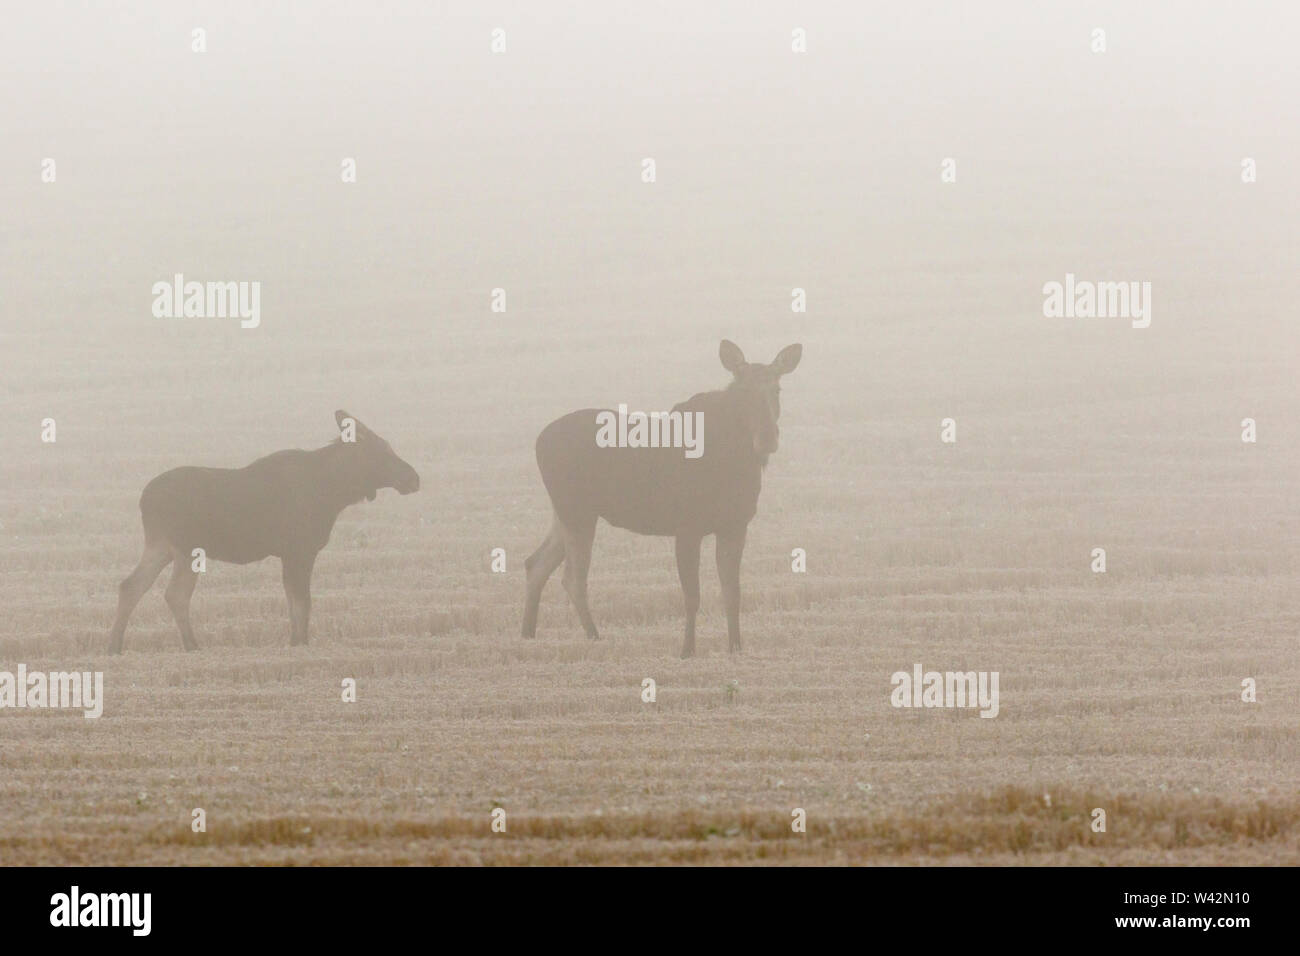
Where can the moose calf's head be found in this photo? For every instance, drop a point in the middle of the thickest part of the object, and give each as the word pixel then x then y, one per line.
pixel 758 388
pixel 371 463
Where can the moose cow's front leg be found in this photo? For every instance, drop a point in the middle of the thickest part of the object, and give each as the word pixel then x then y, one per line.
pixel 730 546
pixel 296 572
pixel 688 572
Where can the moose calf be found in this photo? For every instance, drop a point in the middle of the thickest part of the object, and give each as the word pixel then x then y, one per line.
pixel 283 505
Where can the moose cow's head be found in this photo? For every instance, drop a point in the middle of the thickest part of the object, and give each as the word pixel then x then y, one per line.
pixel 759 389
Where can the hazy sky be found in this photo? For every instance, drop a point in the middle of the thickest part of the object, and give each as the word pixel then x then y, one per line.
pixel 522 169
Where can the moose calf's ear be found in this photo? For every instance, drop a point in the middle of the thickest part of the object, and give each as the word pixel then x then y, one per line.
pixel 732 357
pixel 788 359
pixel 360 430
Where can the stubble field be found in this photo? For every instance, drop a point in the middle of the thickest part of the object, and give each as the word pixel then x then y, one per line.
pixel 1120 691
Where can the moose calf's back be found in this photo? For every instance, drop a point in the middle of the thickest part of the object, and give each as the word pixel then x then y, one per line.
pixel 238 515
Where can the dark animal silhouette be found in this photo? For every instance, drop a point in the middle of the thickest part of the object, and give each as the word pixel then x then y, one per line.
pixel 283 505
pixel 660 491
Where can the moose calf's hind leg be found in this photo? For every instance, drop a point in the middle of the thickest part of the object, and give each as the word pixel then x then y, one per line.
pixel 296 573
pixel 179 591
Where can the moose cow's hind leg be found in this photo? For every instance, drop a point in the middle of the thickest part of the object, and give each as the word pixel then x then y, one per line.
pixel 577 562
pixel 541 564
pixel 688 572
pixel 134 587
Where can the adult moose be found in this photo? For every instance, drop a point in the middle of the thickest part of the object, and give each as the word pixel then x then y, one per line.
pixel 283 505
pixel 661 491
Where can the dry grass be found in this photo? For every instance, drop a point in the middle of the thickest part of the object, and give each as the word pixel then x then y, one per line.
pixel 1011 825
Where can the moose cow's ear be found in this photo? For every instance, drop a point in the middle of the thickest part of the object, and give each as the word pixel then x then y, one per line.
pixel 732 357
pixel 788 359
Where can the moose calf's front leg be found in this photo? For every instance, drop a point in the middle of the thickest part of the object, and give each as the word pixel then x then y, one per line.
pixel 730 546
pixel 296 572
